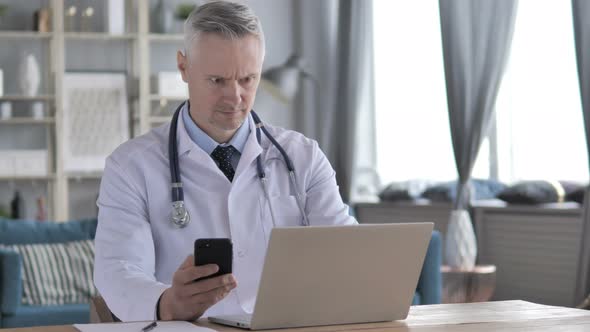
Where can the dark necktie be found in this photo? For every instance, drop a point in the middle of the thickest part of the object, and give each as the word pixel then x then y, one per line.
pixel 222 156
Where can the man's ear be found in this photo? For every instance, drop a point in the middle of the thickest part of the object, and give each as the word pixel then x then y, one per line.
pixel 182 64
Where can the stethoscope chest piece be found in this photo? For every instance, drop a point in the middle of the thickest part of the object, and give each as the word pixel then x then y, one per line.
pixel 180 216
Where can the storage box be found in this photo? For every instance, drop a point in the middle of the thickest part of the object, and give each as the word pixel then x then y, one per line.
pixel 23 163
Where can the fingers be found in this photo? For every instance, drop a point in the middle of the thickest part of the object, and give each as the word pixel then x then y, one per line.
pixel 190 274
pixel 188 261
pixel 211 297
pixel 228 281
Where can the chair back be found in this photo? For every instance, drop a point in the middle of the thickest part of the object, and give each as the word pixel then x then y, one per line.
pixel 99 312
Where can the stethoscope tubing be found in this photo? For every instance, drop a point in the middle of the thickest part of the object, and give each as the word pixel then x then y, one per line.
pixel 181 217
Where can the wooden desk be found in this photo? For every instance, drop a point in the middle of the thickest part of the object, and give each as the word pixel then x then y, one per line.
pixel 482 317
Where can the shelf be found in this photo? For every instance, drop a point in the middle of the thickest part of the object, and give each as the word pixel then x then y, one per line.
pixel 98 36
pixel 25 35
pixel 84 176
pixel 164 98
pixel 23 120
pixel 162 37
pixel 26 98
pixel 160 119
pixel 27 177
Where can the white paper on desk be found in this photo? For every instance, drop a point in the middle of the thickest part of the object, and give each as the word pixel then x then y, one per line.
pixel 136 327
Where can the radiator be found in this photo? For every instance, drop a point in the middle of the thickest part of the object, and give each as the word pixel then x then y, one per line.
pixel 389 212
pixel 535 250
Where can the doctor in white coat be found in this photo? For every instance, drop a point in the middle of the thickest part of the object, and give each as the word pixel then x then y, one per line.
pixel 144 264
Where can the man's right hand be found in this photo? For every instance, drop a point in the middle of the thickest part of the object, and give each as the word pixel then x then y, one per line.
pixel 187 299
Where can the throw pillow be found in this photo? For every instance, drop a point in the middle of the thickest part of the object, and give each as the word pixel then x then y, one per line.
pixel 480 189
pixel 577 195
pixel 538 192
pixel 404 191
pixel 56 273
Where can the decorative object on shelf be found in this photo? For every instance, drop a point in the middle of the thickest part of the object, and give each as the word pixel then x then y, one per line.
pixel 460 244
pixel 4 213
pixel 87 19
pixel 5 110
pixel 70 19
pixel 42 20
pixel 171 85
pixel 3 9
pixel 41 214
pixel 23 163
pixel 95 119
pixel 115 17
pixel 164 17
pixel 29 75
pixel 37 110
pixel 1 83
pixel 183 10
pixel 17 206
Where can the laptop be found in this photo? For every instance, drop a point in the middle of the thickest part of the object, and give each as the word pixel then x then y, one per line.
pixel 327 275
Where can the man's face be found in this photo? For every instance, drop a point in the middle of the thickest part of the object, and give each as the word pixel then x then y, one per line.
pixel 222 76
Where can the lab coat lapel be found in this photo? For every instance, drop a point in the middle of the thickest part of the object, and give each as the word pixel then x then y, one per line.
pixel 187 148
pixel 251 150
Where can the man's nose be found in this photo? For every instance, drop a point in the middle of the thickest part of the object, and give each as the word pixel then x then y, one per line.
pixel 233 92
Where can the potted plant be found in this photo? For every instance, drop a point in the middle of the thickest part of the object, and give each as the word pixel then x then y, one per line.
pixel 183 11
pixel 3 10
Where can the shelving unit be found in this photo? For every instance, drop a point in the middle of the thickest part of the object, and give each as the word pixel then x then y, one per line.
pixel 25 35
pixel 27 98
pixel 159 37
pixel 98 36
pixel 23 121
pixel 139 41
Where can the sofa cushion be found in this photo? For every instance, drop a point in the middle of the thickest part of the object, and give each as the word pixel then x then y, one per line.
pixel 539 192
pixel 26 232
pixel 480 189
pixel 56 273
pixel 577 195
pixel 48 315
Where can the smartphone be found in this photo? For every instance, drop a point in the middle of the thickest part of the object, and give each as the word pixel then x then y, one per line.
pixel 214 251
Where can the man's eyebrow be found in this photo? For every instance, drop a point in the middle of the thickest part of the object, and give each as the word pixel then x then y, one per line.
pixel 221 76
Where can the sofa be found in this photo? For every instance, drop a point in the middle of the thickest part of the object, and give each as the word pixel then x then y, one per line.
pixel 12 312
pixel 429 289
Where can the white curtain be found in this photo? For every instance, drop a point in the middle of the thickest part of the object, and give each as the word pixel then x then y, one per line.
pixel 336 41
pixel 476 36
pixel 581 12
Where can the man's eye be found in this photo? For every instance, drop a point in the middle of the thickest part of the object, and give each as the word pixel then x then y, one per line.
pixel 216 80
pixel 247 80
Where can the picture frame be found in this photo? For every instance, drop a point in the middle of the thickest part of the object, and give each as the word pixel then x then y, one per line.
pixel 95 118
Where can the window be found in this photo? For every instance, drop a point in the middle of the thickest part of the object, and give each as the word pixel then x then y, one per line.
pixel 539 112
pixel 413 133
pixel 540 133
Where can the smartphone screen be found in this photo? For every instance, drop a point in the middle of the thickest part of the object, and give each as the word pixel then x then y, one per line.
pixel 214 251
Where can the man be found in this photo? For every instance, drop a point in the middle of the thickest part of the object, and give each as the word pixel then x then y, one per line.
pixel 143 266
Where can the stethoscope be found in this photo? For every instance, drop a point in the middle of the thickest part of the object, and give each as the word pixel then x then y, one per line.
pixel 180 215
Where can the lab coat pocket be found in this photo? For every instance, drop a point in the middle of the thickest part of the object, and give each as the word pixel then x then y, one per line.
pixel 285 209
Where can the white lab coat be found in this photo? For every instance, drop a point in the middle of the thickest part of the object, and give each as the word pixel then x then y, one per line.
pixel 138 248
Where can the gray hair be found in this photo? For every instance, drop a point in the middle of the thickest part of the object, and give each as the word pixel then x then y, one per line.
pixel 229 19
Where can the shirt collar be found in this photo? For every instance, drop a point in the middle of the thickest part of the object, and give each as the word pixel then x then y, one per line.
pixel 207 143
